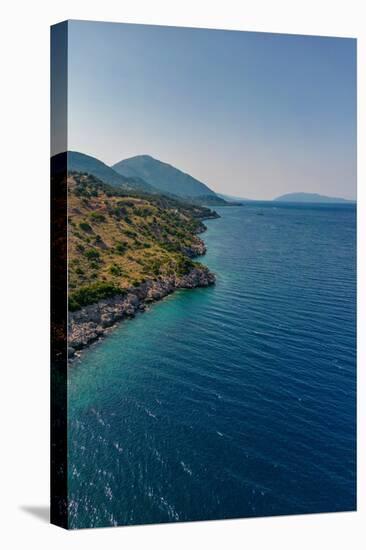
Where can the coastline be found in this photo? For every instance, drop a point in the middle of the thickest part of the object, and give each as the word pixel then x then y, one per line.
pixel 93 322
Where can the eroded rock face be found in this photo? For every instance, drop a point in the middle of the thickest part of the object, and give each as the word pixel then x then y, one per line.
pixel 91 322
pixel 196 249
pixel 196 278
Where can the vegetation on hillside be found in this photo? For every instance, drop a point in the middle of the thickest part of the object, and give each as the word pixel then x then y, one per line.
pixel 167 179
pixel 118 240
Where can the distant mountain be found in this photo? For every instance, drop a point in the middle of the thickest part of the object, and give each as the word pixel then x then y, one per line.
pixel 308 197
pixel 232 198
pixel 79 162
pixel 166 178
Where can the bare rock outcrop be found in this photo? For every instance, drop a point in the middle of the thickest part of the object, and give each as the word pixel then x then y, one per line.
pixel 91 322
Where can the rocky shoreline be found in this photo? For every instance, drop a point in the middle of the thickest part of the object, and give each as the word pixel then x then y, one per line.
pixel 91 322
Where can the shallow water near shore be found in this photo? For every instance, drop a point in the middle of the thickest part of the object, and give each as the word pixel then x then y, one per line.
pixel 237 400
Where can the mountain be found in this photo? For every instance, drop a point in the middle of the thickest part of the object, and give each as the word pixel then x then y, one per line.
pixel 79 162
pixel 233 199
pixel 308 197
pixel 166 178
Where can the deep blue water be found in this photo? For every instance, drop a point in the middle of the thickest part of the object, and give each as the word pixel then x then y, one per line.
pixel 232 401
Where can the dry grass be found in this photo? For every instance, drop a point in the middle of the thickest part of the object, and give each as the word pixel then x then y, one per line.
pixel 124 240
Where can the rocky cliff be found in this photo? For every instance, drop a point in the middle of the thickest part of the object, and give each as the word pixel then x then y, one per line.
pixel 91 322
pixel 125 251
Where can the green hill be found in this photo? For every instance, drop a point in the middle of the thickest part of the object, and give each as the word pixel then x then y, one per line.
pixel 119 240
pixel 78 162
pixel 166 178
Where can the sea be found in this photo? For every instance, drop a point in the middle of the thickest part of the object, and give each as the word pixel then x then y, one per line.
pixel 233 401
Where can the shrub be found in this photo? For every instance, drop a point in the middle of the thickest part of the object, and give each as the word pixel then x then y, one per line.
pixel 81 191
pixel 85 226
pixel 119 212
pixel 121 208
pixel 155 267
pixel 184 265
pixel 92 255
pixel 92 293
pixel 97 217
pixel 120 248
pixel 115 270
pixel 171 247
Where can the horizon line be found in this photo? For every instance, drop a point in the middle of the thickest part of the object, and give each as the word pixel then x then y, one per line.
pixel 229 195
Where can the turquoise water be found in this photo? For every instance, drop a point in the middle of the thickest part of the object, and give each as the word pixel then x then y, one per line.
pixel 231 401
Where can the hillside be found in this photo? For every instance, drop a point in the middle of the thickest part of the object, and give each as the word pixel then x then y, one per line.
pixel 309 197
pixel 117 241
pixel 78 162
pixel 166 178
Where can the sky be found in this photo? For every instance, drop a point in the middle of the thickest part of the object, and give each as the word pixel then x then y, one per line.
pixel 252 115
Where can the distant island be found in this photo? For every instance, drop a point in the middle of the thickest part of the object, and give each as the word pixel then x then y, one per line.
pixel 309 197
pixel 148 175
pixel 288 197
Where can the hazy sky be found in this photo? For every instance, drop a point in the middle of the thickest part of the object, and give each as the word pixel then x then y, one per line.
pixel 250 114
